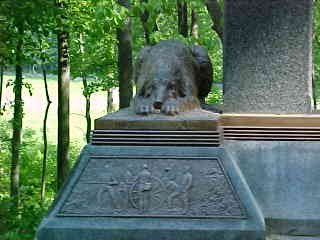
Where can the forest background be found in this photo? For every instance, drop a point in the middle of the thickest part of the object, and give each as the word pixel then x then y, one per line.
pixel 64 63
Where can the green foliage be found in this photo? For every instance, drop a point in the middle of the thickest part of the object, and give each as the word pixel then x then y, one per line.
pixel 164 15
pixel 92 28
pixel 215 96
pixel 22 223
pixel 316 48
pixel 93 42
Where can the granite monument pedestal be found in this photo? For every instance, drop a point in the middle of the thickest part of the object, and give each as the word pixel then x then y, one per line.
pixel 268 56
pixel 132 190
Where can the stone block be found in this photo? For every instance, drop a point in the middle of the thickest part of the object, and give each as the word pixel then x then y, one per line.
pixel 284 178
pixel 268 56
pixel 158 193
pixel 126 119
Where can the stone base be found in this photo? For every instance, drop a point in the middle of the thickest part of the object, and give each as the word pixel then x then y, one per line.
pixel 143 193
pixel 126 119
pixel 284 178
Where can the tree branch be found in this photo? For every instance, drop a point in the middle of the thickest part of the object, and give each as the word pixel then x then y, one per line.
pixel 216 14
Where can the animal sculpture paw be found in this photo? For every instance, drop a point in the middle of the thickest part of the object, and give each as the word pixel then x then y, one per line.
pixel 144 106
pixel 171 107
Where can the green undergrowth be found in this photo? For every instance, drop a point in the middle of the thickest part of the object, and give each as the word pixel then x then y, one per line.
pixel 21 223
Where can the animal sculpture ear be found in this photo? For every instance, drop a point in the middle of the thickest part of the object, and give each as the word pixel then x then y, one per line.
pixel 205 73
pixel 142 55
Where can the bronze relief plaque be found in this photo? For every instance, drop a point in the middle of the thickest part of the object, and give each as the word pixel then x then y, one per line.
pixel 153 187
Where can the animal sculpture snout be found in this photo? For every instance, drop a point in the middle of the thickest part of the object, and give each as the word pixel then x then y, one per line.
pixel 157 105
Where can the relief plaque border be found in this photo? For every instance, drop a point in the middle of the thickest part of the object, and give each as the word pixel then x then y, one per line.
pixel 145 172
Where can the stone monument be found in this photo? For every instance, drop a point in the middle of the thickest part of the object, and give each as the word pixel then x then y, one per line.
pixel 267 69
pixel 268 56
pixel 157 170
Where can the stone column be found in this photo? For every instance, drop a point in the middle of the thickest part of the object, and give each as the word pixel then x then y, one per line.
pixel 268 56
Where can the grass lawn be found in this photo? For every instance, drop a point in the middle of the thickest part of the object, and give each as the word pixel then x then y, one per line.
pixel 34 107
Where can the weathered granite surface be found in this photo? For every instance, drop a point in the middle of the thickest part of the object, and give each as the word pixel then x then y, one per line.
pixel 213 185
pixel 267 56
pixel 284 177
pixel 196 119
pixel 153 187
pixel 283 237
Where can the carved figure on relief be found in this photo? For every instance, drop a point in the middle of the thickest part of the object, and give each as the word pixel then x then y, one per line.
pixel 146 192
pixel 179 192
pixel 109 188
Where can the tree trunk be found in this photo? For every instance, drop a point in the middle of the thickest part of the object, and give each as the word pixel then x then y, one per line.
pixel 194 24
pixel 63 108
pixel 144 17
pixel 88 105
pixel 314 85
pixel 182 9
pixel 216 14
pixel 86 94
pixel 44 133
pixel 144 21
pixel 109 101
pixel 1 85
pixel 17 122
pixel 124 36
pixel 314 91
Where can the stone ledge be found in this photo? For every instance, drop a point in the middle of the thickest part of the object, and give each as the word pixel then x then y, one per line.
pixel 282 237
pixel 193 120
pixel 271 120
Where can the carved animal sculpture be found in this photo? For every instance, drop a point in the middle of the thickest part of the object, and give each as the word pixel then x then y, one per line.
pixel 171 77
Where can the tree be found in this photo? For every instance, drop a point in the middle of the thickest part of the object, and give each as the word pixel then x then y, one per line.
pixel 44 45
pixel 87 95
pixel 16 25
pixel 316 52
pixel 194 24
pixel 147 11
pixel 1 85
pixel 125 68
pixel 20 17
pixel 110 107
pixel 93 36
pixel 182 9
pixel 4 51
pixel 216 14
pixel 144 16
pixel 79 27
pixel 17 117
pixel 63 95
pixel 45 138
